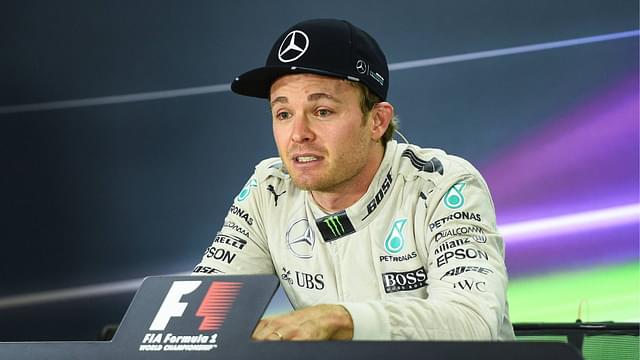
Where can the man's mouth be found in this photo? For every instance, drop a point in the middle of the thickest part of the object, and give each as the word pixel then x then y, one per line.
pixel 305 159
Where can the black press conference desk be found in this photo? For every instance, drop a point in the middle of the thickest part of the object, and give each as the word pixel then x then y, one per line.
pixel 332 350
pixel 193 317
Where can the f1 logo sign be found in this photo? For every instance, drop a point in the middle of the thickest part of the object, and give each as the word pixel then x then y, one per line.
pixel 213 308
pixel 171 306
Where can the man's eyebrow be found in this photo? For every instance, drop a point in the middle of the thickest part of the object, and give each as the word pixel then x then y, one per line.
pixel 279 99
pixel 317 96
pixel 311 97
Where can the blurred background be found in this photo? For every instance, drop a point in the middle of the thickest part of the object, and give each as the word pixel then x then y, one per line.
pixel 121 147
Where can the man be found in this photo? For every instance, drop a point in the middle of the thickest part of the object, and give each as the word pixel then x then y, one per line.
pixel 372 240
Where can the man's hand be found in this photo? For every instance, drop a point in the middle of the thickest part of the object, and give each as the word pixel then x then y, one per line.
pixel 320 322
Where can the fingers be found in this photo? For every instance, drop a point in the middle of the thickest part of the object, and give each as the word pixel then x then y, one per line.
pixel 267 330
pixel 320 322
pixel 260 327
pixel 269 335
pixel 278 335
pixel 274 330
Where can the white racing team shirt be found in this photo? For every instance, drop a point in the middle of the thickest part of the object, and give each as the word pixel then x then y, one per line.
pixel 418 257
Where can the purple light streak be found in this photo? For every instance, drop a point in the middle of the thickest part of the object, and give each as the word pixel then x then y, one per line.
pixel 582 250
pixel 586 221
pixel 583 162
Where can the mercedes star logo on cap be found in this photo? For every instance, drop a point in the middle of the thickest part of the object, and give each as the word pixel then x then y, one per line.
pixel 361 67
pixel 293 47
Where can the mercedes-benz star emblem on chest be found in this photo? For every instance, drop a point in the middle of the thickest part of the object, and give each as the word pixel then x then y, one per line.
pixel 300 239
pixel 294 45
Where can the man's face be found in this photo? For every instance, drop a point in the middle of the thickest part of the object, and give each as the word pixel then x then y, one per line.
pixel 320 133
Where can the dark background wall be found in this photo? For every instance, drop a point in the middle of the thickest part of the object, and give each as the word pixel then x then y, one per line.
pixel 106 193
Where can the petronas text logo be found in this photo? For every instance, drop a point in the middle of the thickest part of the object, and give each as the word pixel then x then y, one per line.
pixel 333 222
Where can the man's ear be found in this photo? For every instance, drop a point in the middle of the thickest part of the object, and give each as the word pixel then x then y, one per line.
pixel 381 114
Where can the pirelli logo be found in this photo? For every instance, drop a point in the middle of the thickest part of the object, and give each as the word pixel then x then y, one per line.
pixel 231 240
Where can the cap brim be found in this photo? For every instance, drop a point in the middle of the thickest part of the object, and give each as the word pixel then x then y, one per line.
pixel 257 82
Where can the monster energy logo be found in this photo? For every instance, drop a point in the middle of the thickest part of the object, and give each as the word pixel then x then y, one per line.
pixel 333 222
pixel 335 226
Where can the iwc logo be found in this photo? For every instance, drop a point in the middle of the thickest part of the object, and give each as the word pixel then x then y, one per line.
pixel 300 239
pixel 294 45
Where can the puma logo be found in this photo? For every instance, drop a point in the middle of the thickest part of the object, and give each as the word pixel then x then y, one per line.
pixel 275 195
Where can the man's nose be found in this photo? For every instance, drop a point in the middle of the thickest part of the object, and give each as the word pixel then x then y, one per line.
pixel 301 131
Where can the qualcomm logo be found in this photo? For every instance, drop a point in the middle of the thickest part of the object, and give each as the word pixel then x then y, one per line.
pixel 395 239
pixel 454 198
pixel 246 190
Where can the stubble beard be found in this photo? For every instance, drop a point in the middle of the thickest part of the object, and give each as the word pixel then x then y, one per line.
pixel 337 175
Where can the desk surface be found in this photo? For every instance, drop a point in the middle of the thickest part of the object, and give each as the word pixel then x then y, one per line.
pixel 212 317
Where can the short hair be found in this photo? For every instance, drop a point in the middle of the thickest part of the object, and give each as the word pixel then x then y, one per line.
pixel 367 101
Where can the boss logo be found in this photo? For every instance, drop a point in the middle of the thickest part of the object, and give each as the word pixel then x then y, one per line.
pixel 404 281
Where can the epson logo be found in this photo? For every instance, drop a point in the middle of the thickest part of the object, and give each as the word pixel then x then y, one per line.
pixel 219 254
pixel 373 204
pixel 458 215
pixel 404 281
pixel 460 254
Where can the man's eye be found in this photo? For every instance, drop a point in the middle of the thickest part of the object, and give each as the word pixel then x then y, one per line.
pixel 324 112
pixel 283 115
